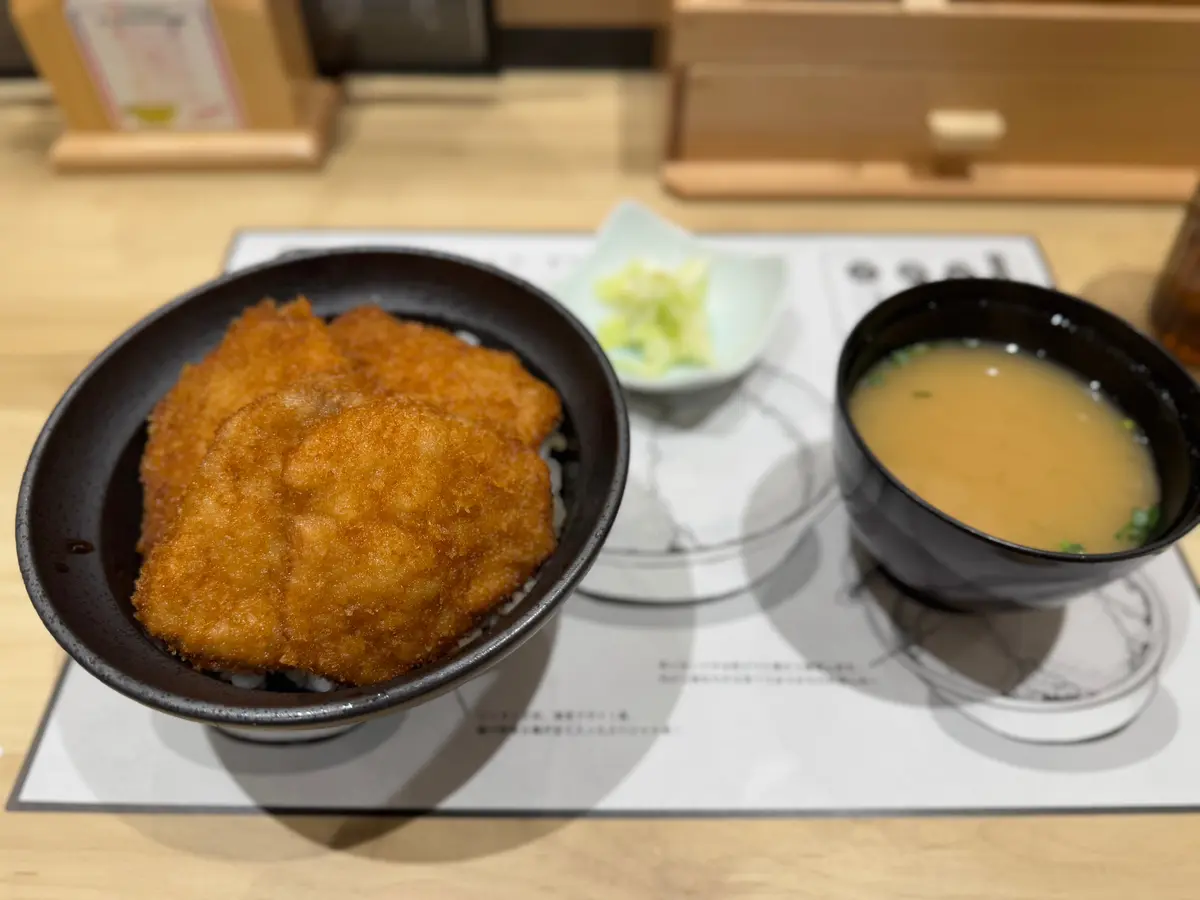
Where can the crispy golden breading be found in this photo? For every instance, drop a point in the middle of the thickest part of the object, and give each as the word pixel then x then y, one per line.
pixel 347 500
pixel 411 524
pixel 267 348
pixel 428 363
pixel 212 587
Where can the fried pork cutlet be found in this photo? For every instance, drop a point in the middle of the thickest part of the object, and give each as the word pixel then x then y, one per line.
pixel 267 348
pixel 346 535
pixel 212 587
pixel 412 523
pixel 428 363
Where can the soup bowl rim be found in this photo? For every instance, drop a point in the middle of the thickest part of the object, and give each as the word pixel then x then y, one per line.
pixel 1035 293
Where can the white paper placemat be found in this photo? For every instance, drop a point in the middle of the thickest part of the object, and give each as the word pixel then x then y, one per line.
pixel 809 687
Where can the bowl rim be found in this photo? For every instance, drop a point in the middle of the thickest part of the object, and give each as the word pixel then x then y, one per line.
pixel 371 699
pixel 1031 296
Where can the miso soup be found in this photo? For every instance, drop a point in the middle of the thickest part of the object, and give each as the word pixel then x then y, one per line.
pixel 1011 444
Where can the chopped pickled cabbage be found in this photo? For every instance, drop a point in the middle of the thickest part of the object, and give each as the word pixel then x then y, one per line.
pixel 659 315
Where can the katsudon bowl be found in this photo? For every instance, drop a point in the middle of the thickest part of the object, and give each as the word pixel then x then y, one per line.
pixel 945 561
pixel 80 501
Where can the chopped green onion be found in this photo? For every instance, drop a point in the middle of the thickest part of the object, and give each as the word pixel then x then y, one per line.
pixel 1141 524
pixel 1067 547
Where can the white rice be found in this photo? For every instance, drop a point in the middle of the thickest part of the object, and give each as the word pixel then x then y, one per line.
pixel 307 681
pixel 310 682
pixel 556 443
pixel 254 681
pixel 247 680
pixel 468 338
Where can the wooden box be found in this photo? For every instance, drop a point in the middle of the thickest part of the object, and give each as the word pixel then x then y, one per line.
pixel 980 98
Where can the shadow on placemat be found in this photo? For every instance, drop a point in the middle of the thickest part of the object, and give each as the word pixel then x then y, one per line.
pixel 1073 689
pixel 860 621
pixel 449 743
pixel 1149 735
pixel 390 833
pixel 516 684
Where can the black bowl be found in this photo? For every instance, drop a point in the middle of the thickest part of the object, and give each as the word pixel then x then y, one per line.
pixel 78 511
pixel 940 558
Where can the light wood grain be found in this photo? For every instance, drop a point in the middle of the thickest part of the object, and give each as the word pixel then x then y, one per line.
pixel 287 113
pixel 959 36
pixel 828 178
pixel 793 112
pixel 84 256
pixel 835 98
pixel 301 147
pixel 48 40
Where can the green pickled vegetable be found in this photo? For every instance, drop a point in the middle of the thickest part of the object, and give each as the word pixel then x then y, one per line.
pixel 659 315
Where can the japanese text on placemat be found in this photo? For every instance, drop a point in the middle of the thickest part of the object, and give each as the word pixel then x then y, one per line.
pixel 565 723
pixel 758 673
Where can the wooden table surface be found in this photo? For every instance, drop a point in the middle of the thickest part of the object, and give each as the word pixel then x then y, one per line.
pixel 83 257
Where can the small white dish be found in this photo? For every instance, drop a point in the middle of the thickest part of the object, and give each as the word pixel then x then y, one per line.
pixel 745 294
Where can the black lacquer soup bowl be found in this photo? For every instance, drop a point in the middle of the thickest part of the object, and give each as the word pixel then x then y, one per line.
pixel 945 561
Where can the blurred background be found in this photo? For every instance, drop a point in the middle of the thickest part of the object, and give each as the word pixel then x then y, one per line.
pixel 350 36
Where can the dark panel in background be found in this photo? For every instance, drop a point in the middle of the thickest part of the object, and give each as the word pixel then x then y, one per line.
pixel 13 61
pixel 427 36
pixel 577 48
pixel 401 35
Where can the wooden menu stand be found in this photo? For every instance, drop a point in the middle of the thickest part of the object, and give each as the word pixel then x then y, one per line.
pixel 967 99
pixel 247 95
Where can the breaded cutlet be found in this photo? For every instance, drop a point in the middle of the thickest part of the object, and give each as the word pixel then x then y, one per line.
pixel 410 525
pixel 265 349
pixel 212 586
pixel 345 535
pixel 429 363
